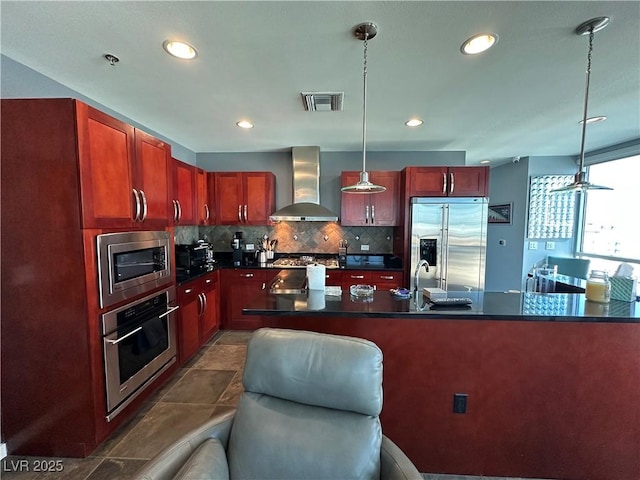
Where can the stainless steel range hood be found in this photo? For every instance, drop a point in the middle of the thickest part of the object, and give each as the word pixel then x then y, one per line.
pixel 306 190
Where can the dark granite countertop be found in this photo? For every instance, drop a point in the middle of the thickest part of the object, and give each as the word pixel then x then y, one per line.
pixel 559 307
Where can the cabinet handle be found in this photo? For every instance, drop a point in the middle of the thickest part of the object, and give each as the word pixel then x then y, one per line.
pixel 247 275
pixel 188 290
pixel 206 209
pixel 204 303
pixel 200 311
pixel 175 211
pixel 179 211
pixel 132 332
pixel 444 183
pixel 136 217
pixel 144 206
pixel 366 214
pixel 373 213
pixel 452 182
pixel 357 276
pixel 240 213
pixel 245 214
pixel 169 310
pixel 264 285
pixel 208 280
pixel 386 277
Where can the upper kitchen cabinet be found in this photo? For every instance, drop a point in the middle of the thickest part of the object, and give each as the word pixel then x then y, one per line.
pixel 380 209
pixel 447 181
pixel 125 173
pixel 203 206
pixel 244 197
pixel 184 193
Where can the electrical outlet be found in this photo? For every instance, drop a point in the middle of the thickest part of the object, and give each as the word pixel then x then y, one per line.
pixel 460 403
pixel 250 247
pixel 550 245
pixel 533 245
pixel 364 248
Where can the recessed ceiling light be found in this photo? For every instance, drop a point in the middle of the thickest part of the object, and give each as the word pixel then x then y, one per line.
pixel 179 49
pixel 414 122
pixel 244 124
pixel 479 43
pixel 601 118
pixel 485 161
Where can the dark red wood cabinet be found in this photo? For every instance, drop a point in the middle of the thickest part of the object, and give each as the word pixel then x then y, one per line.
pixel 205 215
pixel 125 173
pixel 199 313
pixel 65 167
pixel 446 181
pixel 238 285
pixel 184 193
pixel 244 197
pixel 376 210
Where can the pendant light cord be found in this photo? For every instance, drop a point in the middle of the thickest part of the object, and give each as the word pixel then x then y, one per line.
pixel 586 100
pixel 364 106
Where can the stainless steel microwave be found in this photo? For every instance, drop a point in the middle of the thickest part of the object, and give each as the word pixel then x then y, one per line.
pixel 132 263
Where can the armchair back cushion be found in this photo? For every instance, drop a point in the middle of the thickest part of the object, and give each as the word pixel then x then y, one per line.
pixel 310 408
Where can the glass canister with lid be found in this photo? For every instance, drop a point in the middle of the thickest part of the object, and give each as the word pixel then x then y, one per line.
pixel 598 287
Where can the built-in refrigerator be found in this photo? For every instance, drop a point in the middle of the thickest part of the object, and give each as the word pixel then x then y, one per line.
pixel 450 236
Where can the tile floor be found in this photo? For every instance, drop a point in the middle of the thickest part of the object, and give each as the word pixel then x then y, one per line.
pixel 209 383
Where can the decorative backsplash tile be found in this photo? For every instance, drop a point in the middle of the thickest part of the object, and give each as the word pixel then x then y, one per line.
pixel 294 237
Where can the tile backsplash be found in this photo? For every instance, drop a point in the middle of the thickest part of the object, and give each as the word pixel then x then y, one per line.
pixel 294 237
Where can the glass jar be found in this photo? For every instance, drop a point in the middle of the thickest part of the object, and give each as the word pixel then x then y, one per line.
pixel 598 287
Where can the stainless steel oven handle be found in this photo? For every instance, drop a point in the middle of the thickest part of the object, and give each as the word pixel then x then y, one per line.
pixel 132 332
pixel 169 310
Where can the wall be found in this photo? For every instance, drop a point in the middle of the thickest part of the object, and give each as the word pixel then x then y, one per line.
pixel 20 81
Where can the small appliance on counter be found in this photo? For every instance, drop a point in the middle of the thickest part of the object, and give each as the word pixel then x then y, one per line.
pixel 342 253
pixel 193 260
pixel 237 244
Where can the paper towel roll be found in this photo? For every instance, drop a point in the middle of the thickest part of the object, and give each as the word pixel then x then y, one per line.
pixel 316 276
pixel 315 300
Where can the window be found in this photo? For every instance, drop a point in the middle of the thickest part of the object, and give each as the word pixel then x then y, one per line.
pixel 611 218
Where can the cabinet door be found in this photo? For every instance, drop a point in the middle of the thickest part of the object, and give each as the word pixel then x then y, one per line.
pixel 202 198
pixel 106 149
pixel 427 181
pixel 210 319
pixel 333 277
pixel 259 197
pixel 384 210
pixel 354 208
pixel 239 285
pixel 469 181
pixel 189 331
pixel 184 192
pixel 229 201
pixel 153 179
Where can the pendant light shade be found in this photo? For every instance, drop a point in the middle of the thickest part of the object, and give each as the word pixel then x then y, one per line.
pixel 590 27
pixel 365 32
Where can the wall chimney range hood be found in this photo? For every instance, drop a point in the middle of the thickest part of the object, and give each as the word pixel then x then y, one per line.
pixel 306 190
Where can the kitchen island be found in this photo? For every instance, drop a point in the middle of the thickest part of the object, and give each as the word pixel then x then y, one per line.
pixel 552 381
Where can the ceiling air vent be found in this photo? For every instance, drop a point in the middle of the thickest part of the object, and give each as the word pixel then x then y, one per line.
pixel 322 101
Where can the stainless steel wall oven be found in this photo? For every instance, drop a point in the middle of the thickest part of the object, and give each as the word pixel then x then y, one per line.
pixel 131 264
pixel 139 343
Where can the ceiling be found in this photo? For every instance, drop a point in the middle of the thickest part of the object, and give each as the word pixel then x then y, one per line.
pixel 524 97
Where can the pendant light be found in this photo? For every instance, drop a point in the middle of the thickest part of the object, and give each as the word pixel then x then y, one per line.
pixel 365 32
pixel 590 27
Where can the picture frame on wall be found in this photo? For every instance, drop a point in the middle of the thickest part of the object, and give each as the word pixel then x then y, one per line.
pixel 500 213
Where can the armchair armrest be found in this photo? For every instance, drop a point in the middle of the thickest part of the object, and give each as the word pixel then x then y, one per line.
pixel 394 464
pixel 166 464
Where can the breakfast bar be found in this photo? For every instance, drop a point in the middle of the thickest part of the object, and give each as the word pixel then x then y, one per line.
pixel 549 382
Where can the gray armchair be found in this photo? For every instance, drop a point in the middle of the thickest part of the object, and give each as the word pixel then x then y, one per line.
pixel 309 411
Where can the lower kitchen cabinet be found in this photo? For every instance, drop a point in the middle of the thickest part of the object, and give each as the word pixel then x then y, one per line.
pixel 239 285
pixel 199 317
pixel 379 279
